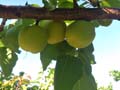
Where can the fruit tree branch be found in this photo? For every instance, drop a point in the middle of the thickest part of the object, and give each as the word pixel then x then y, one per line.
pixel 14 12
pixel 2 24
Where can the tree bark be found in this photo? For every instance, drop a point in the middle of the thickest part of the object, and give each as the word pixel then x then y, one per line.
pixel 14 12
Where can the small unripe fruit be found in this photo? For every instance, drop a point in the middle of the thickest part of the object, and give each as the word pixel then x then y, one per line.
pixel 80 34
pixel 33 39
pixel 56 31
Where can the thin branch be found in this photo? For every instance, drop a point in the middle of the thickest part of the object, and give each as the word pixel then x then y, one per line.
pixel 2 24
pixel 95 3
pixel 75 4
pixel 14 12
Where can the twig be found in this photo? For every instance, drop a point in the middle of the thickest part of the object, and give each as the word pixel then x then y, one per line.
pixel 2 24
pixel 75 5
pixel 95 3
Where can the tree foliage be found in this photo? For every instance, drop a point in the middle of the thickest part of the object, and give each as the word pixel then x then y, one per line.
pixel 109 87
pixel 43 82
pixel 73 69
pixel 24 82
pixel 115 74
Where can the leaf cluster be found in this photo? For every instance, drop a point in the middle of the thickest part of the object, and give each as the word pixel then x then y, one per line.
pixel 115 74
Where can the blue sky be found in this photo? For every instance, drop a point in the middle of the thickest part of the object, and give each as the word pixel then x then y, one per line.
pixel 19 2
pixel 107 51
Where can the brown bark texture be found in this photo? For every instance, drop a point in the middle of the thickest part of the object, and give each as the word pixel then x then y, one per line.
pixel 14 12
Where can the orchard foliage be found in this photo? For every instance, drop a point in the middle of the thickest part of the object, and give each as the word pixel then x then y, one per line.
pixel 24 82
pixel 109 87
pixel 73 69
pixel 115 74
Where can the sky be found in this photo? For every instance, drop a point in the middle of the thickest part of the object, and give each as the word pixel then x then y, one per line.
pixel 106 45
pixel 107 50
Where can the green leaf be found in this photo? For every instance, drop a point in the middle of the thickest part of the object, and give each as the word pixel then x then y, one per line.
pixel 67 72
pixel 65 49
pixel 104 3
pixel 50 4
pixel 48 54
pixel 86 82
pixel 65 4
pixel 61 1
pixel 87 57
pixel 51 52
pixel 53 2
pixel 88 52
pixel 115 75
pixel 18 22
pixel 45 2
pixel 1 44
pixel 110 3
pixel 7 60
pixel 35 5
pixel 10 36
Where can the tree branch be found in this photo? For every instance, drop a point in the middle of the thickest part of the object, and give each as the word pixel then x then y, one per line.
pixel 2 24
pixel 14 12
pixel 75 5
